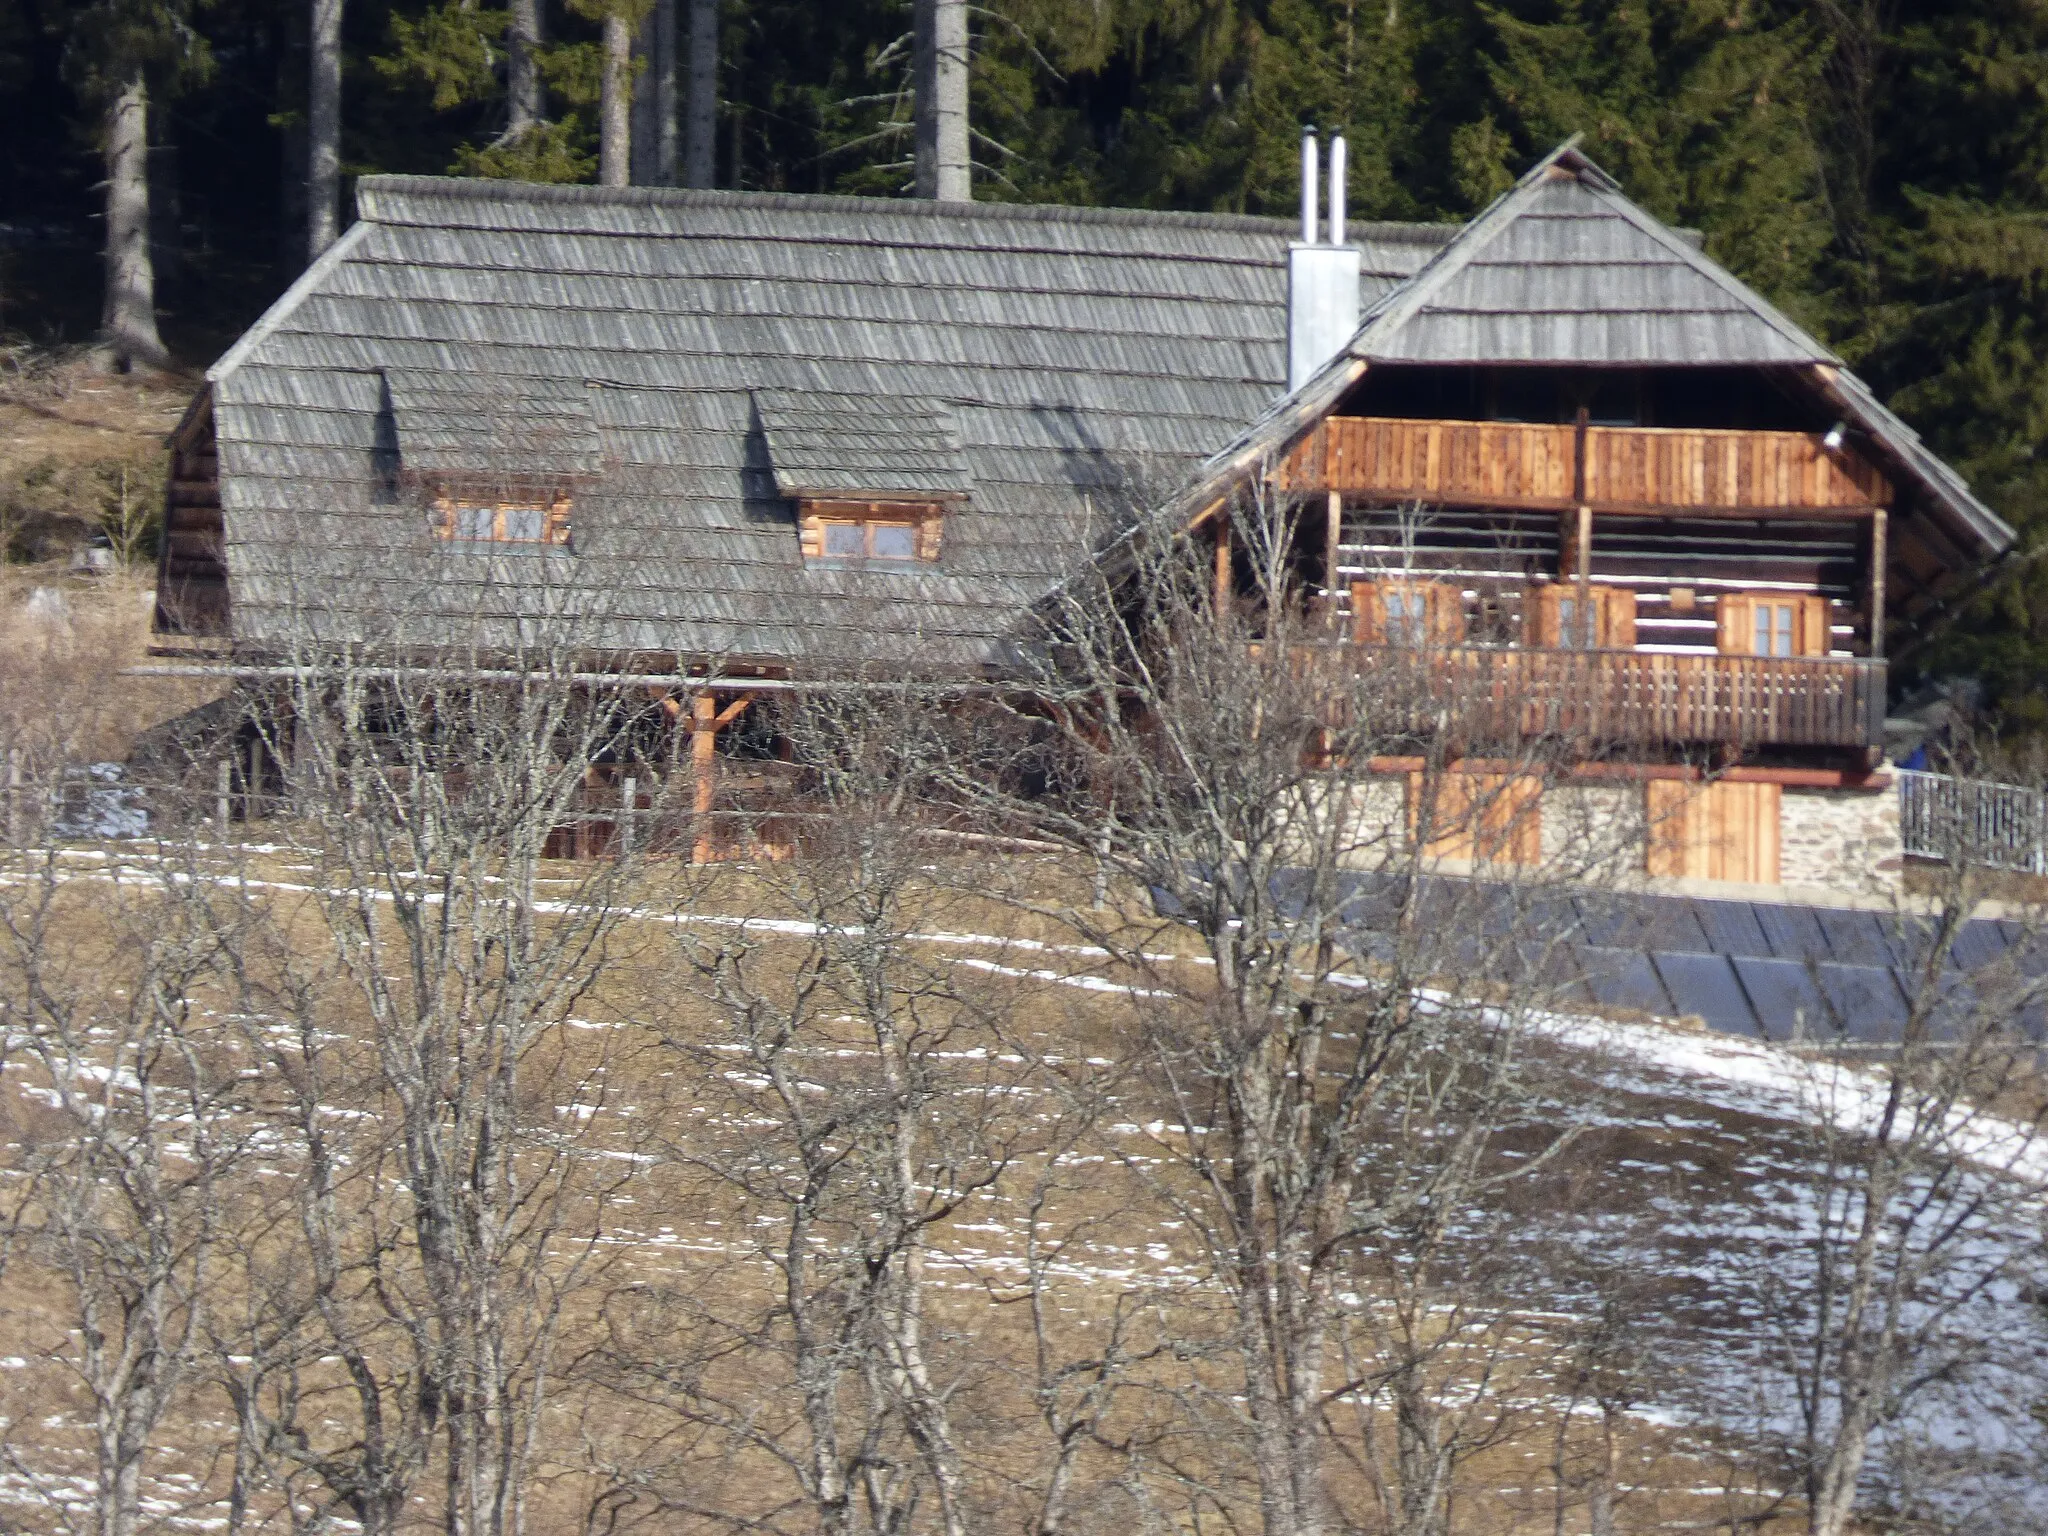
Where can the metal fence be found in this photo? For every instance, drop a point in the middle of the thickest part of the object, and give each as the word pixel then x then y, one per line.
pixel 2002 826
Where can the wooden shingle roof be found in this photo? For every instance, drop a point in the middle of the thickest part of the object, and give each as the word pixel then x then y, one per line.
pixel 1049 363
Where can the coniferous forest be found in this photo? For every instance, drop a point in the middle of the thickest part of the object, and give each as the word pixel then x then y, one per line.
pixel 1879 168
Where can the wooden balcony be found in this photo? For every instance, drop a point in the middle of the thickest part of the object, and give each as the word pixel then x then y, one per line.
pixel 1613 469
pixel 1637 697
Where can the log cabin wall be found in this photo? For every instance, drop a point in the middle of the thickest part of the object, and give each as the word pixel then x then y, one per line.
pixel 1497 558
pixel 192 573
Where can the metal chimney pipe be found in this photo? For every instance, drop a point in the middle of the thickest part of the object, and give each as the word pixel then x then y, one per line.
pixel 1337 158
pixel 1308 186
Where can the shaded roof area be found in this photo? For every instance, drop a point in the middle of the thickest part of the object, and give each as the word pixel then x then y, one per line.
pixel 1055 365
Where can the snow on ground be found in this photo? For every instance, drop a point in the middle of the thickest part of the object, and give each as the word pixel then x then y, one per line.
pixel 1708 1185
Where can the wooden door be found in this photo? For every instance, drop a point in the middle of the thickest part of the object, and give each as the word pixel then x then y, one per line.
pixel 1487 818
pixel 1716 831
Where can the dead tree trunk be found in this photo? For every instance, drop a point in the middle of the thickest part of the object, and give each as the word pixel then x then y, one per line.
pixel 522 72
pixel 615 137
pixel 654 103
pixel 700 106
pixel 128 319
pixel 323 137
pixel 941 66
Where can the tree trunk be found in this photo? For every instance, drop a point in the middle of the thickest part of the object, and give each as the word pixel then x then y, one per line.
pixel 522 71
pixel 1836 1500
pixel 941 86
pixel 700 111
pixel 128 320
pixel 323 125
pixel 654 103
pixel 615 137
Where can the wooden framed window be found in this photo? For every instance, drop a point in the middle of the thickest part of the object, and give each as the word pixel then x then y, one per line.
pixel 870 540
pixel 887 533
pixel 1773 624
pixel 1407 613
pixel 477 521
pixel 1560 617
pixel 1717 831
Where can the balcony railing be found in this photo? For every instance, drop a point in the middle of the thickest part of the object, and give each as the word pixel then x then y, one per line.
pixel 1513 464
pixel 1484 694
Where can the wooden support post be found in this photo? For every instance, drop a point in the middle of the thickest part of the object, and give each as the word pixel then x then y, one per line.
pixel 1582 568
pixel 223 800
pixel 1333 539
pixel 629 806
pixel 704 765
pixel 1222 568
pixel 1878 534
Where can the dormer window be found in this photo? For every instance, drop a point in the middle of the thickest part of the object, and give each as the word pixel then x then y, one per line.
pixel 874 477
pixel 495 460
pixel 489 520
pixel 877 532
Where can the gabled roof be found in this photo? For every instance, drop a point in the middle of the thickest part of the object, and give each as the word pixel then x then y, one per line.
pixel 1078 357
pixel 1563 270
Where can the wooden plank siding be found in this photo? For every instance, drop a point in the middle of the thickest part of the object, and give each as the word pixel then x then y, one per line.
pixel 1531 465
pixel 1481 694
pixel 1718 831
pixel 1686 468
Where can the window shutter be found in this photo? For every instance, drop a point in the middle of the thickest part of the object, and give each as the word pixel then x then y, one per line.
pixel 1811 633
pixel 1368 614
pixel 1735 621
pixel 1617 618
pixel 1444 607
pixel 1539 618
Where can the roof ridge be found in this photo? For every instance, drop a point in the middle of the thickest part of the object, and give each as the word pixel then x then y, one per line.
pixel 484 189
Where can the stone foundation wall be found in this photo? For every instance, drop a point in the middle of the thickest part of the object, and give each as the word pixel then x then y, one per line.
pixel 1593 830
pixel 1844 840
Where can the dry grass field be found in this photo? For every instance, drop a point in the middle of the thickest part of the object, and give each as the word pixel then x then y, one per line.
pixel 647 1252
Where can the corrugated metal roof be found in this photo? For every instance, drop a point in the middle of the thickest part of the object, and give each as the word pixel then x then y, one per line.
pixel 1050 363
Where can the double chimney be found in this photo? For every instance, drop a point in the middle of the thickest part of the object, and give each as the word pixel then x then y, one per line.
pixel 1322 276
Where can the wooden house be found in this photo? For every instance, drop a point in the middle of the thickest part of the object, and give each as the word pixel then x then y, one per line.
pixel 752 435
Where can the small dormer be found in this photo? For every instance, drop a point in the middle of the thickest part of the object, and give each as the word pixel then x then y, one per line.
pixel 495 462
pixel 873 478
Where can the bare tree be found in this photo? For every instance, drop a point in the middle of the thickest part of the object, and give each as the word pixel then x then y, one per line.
pixel 655 137
pixel 128 333
pixel 1206 742
pixel 852 1100
pixel 940 64
pixel 121 1205
pixel 323 129
pixel 614 111
pixel 1926 1173
pixel 525 108
pixel 700 101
